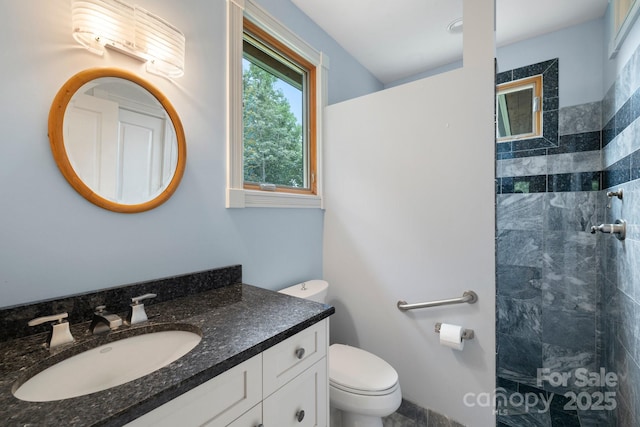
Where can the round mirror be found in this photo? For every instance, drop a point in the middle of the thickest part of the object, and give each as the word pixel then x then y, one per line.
pixel 117 140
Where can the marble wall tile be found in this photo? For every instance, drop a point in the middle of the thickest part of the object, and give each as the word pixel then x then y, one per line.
pixel 578 142
pixel 573 329
pixel 635 165
pixel 569 272
pixel 597 418
pixel 588 161
pixel 571 254
pixel 625 83
pixel 527 419
pixel 517 282
pixel 518 247
pixel 624 144
pixel 632 75
pixel 627 392
pixel 519 318
pixel 634 394
pixel 519 211
pixel 623 117
pixel 518 358
pixel 569 292
pixel 609 248
pixel 561 359
pixel 525 184
pixel 572 211
pixel 627 208
pixel 580 118
pixel 629 330
pixel 571 182
pixel 609 104
pixel 523 166
pixel 628 266
pixel 624 417
pixel 564 419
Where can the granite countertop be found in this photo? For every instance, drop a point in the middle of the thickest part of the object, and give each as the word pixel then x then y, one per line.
pixel 236 321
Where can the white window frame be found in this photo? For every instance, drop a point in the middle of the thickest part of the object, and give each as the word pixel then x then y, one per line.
pixel 237 196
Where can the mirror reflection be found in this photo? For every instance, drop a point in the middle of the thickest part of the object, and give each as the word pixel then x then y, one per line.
pixel 120 140
pixel 117 140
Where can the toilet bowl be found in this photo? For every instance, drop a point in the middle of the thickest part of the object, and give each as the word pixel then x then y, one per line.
pixel 362 386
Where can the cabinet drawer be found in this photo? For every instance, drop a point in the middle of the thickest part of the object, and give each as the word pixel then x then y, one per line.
pixel 252 418
pixel 219 401
pixel 282 362
pixel 302 402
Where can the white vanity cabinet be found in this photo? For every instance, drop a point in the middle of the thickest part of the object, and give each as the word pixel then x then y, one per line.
pixel 286 385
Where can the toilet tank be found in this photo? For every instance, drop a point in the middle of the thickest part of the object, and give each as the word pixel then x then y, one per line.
pixel 314 290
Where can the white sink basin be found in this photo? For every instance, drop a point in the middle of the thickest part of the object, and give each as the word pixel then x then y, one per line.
pixel 107 366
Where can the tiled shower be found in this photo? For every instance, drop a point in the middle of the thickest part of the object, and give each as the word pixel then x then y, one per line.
pixel 568 318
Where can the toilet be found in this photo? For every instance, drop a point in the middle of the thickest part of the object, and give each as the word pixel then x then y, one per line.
pixel 362 386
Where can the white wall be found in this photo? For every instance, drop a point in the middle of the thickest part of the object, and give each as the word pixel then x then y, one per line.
pixel 55 243
pixel 410 215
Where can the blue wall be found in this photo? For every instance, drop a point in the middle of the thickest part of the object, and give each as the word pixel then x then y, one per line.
pixel 55 243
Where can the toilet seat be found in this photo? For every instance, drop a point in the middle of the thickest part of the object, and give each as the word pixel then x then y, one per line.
pixel 364 392
pixel 357 371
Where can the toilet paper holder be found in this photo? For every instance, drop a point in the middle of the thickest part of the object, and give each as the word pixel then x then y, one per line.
pixel 467 334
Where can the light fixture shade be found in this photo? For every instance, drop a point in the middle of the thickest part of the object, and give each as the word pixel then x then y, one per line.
pixel 162 44
pixel 97 23
pixel 131 30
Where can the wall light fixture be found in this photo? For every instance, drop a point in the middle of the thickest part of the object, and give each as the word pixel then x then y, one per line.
pixel 131 30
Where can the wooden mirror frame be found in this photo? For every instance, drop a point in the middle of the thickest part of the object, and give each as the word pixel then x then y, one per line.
pixel 56 139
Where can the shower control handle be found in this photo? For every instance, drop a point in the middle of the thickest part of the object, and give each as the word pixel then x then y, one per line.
pixel 619 228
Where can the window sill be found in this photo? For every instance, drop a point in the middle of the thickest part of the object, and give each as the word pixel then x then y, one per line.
pixel 240 198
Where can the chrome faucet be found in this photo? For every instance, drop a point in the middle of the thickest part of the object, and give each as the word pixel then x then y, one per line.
pixel 103 321
pixel 60 333
pixel 137 313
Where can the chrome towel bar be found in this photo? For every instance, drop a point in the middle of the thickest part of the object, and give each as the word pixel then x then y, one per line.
pixel 469 297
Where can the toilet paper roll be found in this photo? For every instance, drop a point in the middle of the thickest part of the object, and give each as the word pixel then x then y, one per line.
pixel 451 336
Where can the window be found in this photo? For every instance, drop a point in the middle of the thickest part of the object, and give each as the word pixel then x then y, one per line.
pixel 275 100
pixel 519 109
pixel 623 16
pixel 278 88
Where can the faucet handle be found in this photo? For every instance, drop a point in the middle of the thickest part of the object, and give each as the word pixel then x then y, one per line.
pixel 54 317
pixel 136 300
pixel 137 313
pixel 60 334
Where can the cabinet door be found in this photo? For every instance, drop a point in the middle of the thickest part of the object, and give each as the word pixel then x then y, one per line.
pixel 283 361
pixel 300 403
pixel 218 402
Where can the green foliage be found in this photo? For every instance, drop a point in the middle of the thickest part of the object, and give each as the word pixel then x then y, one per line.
pixel 273 151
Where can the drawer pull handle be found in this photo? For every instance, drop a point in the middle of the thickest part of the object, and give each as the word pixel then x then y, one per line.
pixel 300 354
pixel 260 425
pixel 300 415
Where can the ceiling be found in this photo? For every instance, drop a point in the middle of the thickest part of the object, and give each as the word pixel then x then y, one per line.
pixel 395 39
